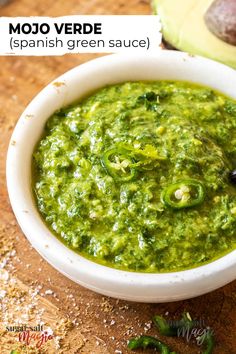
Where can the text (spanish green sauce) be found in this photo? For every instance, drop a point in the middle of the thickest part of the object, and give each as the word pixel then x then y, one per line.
pixel 136 176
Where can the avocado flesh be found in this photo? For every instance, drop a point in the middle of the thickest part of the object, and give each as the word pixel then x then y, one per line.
pixel 184 28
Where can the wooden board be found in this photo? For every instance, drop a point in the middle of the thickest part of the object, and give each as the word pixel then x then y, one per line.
pixel 96 324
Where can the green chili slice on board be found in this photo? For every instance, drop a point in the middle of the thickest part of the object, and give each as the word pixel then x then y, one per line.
pixel 186 193
pixel 118 164
pixel 151 342
pixel 172 329
pixel 208 341
pixel 164 327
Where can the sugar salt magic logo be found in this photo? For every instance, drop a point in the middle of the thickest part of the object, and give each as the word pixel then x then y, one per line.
pixel 194 333
pixel 61 28
pixel 31 334
pixel 192 330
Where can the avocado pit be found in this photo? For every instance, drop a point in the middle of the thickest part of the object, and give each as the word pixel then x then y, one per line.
pixel 220 19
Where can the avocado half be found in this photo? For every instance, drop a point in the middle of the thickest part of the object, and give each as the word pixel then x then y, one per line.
pixel 183 27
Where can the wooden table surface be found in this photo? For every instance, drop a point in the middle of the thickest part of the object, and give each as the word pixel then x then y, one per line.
pixel 91 323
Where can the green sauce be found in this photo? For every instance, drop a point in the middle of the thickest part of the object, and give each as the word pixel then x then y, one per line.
pixel 136 176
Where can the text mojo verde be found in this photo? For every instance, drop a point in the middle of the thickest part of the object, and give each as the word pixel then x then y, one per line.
pixel 65 28
pixel 61 28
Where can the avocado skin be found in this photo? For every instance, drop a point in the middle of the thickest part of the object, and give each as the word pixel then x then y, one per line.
pixel 184 28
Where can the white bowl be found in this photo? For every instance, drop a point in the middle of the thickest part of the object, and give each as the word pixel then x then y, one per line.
pixel 77 83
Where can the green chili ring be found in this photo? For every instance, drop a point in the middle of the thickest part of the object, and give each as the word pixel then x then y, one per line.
pixel 172 330
pixel 148 341
pixel 209 342
pixel 164 328
pixel 169 198
pixel 117 173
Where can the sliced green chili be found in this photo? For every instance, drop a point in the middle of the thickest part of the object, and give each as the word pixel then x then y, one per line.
pixel 164 327
pixel 209 341
pixel 172 329
pixel 186 321
pixel 148 341
pixel 123 161
pixel 186 193
pixel 118 164
pixel 14 352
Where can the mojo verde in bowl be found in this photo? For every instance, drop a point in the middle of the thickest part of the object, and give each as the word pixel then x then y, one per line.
pixel 137 176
